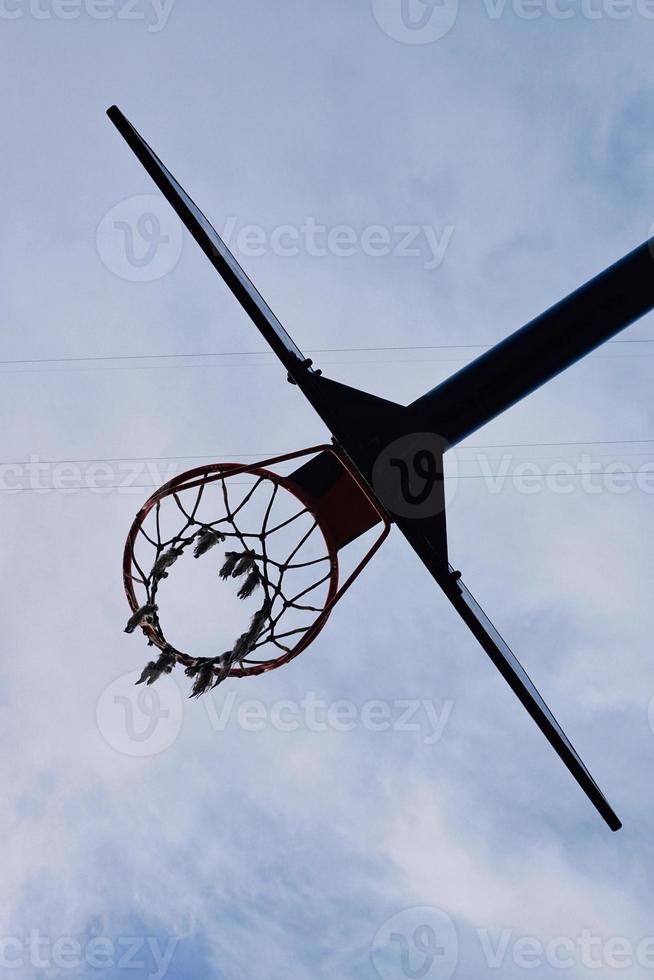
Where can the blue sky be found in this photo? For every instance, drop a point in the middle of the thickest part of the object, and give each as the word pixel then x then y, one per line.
pixel 522 139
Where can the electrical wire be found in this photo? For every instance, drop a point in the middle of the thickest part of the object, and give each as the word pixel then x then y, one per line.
pixel 269 454
pixel 93 358
pixel 152 486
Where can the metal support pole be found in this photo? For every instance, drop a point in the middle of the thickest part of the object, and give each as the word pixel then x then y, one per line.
pixel 533 355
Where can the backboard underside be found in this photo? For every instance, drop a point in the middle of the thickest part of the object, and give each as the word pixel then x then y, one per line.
pixel 211 244
pixel 521 684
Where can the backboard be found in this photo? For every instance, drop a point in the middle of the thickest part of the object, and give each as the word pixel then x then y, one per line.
pixel 521 684
pixel 212 245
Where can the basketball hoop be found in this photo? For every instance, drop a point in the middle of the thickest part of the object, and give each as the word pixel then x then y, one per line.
pixel 280 541
pixel 337 504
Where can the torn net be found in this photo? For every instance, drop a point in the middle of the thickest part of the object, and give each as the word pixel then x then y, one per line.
pixel 287 609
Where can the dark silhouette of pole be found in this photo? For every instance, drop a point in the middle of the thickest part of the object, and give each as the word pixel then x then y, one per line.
pixel 533 355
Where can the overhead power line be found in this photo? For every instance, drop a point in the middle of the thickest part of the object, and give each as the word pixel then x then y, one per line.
pixel 95 358
pixel 153 486
pixel 270 454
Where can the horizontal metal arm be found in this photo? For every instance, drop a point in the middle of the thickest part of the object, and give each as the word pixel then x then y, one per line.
pixel 539 351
